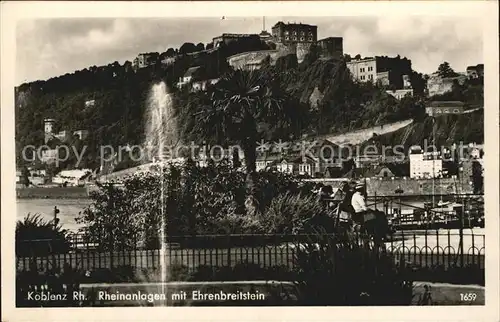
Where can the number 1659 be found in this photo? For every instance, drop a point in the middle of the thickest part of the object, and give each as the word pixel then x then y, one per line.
pixel 468 297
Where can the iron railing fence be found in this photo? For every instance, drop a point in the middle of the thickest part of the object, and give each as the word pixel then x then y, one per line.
pixel 418 248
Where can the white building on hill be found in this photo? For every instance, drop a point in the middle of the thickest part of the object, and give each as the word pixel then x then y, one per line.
pixel 425 164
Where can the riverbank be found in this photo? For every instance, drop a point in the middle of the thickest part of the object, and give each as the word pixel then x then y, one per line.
pixel 68 210
pixel 52 193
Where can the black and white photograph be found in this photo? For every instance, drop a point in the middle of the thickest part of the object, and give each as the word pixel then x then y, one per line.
pixel 264 159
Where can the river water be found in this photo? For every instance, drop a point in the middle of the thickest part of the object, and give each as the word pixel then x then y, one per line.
pixel 69 209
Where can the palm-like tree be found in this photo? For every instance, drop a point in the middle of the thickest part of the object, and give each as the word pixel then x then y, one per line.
pixel 241 105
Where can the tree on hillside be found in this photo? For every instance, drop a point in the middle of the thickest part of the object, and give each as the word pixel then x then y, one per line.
pixel 208 46
pixel 200 47
pixel 418 83
pixel 187 48
pixel 445 70
pixel 127 65
pixel 241 103
pixel 284 63
pixel 170 52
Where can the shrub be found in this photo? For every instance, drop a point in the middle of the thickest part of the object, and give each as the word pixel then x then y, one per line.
pixel 37 237
pixel 192 200
pixel 334 273
pixel 111 219
pixel 295 213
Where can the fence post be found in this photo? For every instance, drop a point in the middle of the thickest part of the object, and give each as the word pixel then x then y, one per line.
pixel 459 211
pixel 229 250
pixel 111 247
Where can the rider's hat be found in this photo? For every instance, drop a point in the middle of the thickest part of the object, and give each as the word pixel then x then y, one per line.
pixel 359 185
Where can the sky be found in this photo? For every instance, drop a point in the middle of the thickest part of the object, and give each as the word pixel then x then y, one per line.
pixel 47 48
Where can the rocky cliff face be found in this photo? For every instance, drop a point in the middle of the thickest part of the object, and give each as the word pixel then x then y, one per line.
pixel 315 98
pixel 302 50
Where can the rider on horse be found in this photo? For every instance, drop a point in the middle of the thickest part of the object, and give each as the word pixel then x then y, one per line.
pixel 372 222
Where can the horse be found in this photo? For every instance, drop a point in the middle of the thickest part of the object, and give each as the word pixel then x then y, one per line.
pixel 371 226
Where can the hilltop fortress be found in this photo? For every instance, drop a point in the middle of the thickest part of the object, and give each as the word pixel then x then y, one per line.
pixel 286 38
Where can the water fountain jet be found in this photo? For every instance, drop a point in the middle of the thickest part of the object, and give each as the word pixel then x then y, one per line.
pixel 161 133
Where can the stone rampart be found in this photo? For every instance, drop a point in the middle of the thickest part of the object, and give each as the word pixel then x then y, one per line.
pixel 240 60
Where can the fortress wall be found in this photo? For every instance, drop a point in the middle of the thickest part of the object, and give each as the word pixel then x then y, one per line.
pixel 239 60
pixel 300 50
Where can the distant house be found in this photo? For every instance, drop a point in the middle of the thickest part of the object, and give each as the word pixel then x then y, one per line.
pixel 368 159
pixel 196 79
pixel 384 172
pixel 75 177
pixel 331 47
pixel 189 75
pixel 202 85
pixel 62 136
pixel 145 59
pixel 437 108
pixel 311 159
pixel 35 178
pixel 228 38
pixel 89 103
pixel 400 93
pixel 286 166
pixel 425 164
pixel 390 170
pixel 82 134
pixel 387 71
pixel 327 154
pixel 475 71
pixel 307 166
pixel 267 160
